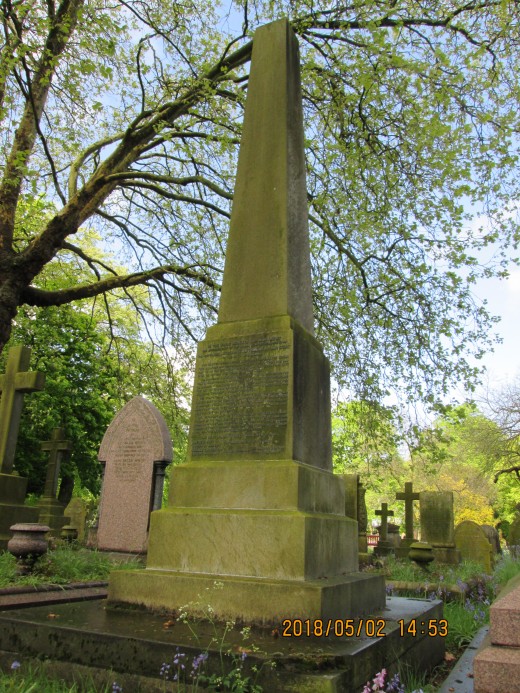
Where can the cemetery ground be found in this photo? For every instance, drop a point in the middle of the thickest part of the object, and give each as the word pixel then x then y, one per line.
pixel 464 589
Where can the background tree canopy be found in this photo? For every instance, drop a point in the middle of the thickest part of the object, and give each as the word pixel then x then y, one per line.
pixel 126 118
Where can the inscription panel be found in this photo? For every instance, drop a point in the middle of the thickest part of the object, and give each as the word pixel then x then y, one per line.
pixel 241 397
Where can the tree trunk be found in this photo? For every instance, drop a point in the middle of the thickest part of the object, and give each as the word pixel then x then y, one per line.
pixel 9 297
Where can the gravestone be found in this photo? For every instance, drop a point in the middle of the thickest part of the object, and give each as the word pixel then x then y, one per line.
pixel 513 537
pixel 493 538
pixel 76 511
pixel 51 511
pixel 473 545
pixel 14 384
pixel 257 507
pixel 384 546
pixel 362 519
pixel 351 482
pixel 408 496
pixel 437 525
pixel 134 452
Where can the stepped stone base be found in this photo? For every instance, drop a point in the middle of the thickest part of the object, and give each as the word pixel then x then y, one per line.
pixel 257 600
pixel 131 646
pixel 497 663
pixel 13 489
pixel 283 549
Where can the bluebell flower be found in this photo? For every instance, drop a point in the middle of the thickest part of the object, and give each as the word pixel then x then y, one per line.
pixel 15 665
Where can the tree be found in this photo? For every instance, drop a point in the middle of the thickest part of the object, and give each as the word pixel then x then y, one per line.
pixel 504 407
pixel 128 116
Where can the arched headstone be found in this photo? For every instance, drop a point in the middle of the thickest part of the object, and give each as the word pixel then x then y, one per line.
pixel 135 450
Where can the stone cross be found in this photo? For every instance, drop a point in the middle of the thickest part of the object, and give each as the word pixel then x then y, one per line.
pixel 55 447
pixel 384 512
pixel 14 383
pixel 409 497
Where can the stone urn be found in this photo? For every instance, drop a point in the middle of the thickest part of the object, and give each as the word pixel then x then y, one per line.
pixel 27 544
pixel 421 553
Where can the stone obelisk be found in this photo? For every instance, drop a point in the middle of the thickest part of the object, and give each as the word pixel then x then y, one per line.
pixel 256 506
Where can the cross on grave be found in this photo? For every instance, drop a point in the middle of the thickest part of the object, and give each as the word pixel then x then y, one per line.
pixel 14 383
pixel 384 512
pixel 408 496
pixel 56 446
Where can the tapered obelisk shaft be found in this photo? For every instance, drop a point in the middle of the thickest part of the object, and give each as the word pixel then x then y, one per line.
pixel 267 269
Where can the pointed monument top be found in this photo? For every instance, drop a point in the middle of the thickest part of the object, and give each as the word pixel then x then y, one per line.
pixel 267 270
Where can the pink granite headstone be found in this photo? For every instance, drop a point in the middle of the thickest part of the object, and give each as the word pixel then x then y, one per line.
pixel 135 451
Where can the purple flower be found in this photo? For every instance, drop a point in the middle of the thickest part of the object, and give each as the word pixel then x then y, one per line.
pixel 15 665
pixel 379 679
pixel 198 661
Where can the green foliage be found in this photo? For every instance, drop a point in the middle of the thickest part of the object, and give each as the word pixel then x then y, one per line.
pixel 63 565
pixel 33 678
pixel 133 124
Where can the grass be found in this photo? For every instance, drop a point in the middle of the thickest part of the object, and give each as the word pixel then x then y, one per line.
pixel 63 565
pixel 34 679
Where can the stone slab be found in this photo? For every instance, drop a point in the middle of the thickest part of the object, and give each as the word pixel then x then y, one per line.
pixel 496 669
pixel 137 643
pixel 460 678
pixel 12 509
pixel 55 595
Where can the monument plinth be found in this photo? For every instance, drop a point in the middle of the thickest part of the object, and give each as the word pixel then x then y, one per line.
pixel 257 507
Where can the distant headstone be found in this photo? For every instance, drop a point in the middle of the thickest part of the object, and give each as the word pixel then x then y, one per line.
pixel 76 511
pixel 384 546
pixel 134 451
pixel 513 537
pixel 409 497
pixel 51 511
pixel 493 538
pixel 473 545
pixel 362 519
pixel 351 482
pixel 14 384
pixel 437 524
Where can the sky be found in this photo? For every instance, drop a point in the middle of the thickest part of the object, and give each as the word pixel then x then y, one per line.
pixel 503 297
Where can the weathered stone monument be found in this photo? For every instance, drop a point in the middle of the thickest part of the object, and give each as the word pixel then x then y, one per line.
pixel 76 511
pixel 473 545
pixel 51 511
pixel 256 509
pixel 135 451
pixel 384 546
pixel 437 525
pixel 408 496
pixel 14 384
pixel 257 506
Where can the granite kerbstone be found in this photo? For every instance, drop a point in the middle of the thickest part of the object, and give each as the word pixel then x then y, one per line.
pixel 495 669
pixel 505 616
